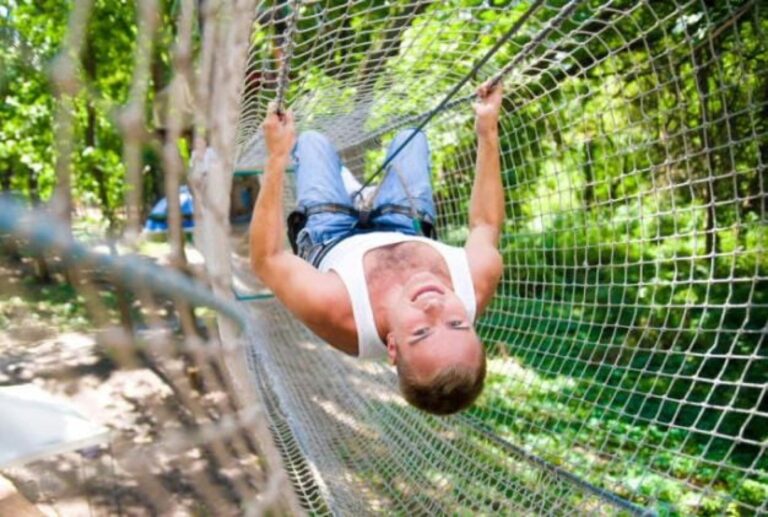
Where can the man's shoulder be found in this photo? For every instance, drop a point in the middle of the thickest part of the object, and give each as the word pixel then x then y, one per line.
pixel 313 296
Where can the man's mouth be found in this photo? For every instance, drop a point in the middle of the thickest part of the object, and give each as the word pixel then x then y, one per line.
pixel 425 290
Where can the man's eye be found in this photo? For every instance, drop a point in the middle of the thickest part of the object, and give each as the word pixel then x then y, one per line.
pixel 421 332
pixel 456 323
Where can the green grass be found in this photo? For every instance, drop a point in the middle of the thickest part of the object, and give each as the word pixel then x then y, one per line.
pixel 54 305
pixel 555 389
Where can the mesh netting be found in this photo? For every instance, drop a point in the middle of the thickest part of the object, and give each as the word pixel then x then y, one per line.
pixel 626 343
pixel 627 362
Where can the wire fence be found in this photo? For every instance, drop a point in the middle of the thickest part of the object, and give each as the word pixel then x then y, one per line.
pixel 182 436
pixel 95 335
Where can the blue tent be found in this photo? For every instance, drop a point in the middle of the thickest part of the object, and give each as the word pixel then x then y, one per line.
pixel 157 222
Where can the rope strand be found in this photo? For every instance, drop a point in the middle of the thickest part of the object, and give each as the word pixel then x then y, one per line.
pixel 488 55
pixel 288 46
pixel 446 103
pixel 285 64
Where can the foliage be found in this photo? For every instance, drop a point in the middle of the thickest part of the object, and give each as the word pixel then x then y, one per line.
pixel 56 306
pixel 33 34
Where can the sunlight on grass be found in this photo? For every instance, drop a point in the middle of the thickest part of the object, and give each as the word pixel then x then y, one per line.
pixel 547 416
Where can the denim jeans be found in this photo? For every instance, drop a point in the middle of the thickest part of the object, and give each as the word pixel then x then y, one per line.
pixel 319 181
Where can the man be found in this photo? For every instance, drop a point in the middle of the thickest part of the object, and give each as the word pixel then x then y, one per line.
pixel 375 288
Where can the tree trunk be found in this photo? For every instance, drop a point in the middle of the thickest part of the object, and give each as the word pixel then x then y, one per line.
pixel 42 272
pixel 8 243
pixel 121 294
pixel 211 176
pixel 757 192
pixel 123 297
pixel 5 178
pixel 61 200
pixel 589 175
pixel 709 192
pixel 89 66
pixel 758 187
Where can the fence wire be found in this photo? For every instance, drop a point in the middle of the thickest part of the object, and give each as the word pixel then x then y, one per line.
pixel 130 342
pixel 182 436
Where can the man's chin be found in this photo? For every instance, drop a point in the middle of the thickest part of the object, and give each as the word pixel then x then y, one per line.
pixel 423 276
pixel 422 280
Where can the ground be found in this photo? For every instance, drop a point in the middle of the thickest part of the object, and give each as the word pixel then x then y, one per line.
pixel 47 337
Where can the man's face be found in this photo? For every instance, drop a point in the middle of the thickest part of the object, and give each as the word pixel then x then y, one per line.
pixel 431 328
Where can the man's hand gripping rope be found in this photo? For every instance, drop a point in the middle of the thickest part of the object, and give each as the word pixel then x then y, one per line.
pixel 487 107
pixel 279 132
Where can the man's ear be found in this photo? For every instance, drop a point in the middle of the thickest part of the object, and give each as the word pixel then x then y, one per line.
pixel 392 348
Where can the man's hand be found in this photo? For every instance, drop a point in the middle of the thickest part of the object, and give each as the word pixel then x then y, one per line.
pixel 487 109
pixel 279 132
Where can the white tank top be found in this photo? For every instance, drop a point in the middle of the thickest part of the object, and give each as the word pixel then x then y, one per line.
pixel 346 259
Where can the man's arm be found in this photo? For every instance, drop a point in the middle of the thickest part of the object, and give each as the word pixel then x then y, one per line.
pixel 486 204
pixel 305 291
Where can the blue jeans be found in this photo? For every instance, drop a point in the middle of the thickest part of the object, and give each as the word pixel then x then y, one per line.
pixel 319 181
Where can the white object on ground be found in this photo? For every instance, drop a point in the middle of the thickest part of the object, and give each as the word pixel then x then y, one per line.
pixel 36 424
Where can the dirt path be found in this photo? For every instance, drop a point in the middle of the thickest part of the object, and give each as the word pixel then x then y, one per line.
pixel 47 344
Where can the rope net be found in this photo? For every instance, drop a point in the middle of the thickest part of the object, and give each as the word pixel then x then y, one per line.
pixel 626 343
pixel 627 363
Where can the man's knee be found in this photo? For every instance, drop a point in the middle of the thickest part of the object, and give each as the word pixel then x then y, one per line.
pixel 405 134
pixel 312 138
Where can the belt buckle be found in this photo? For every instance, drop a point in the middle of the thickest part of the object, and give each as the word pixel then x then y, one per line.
pixel 364 218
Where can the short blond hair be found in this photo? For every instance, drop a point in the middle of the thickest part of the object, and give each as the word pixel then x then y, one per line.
pixel 452 389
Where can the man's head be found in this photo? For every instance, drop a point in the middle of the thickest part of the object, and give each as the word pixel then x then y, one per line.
pixel 439 358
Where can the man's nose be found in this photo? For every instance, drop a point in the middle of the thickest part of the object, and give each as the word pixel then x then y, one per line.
pixel 433 304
